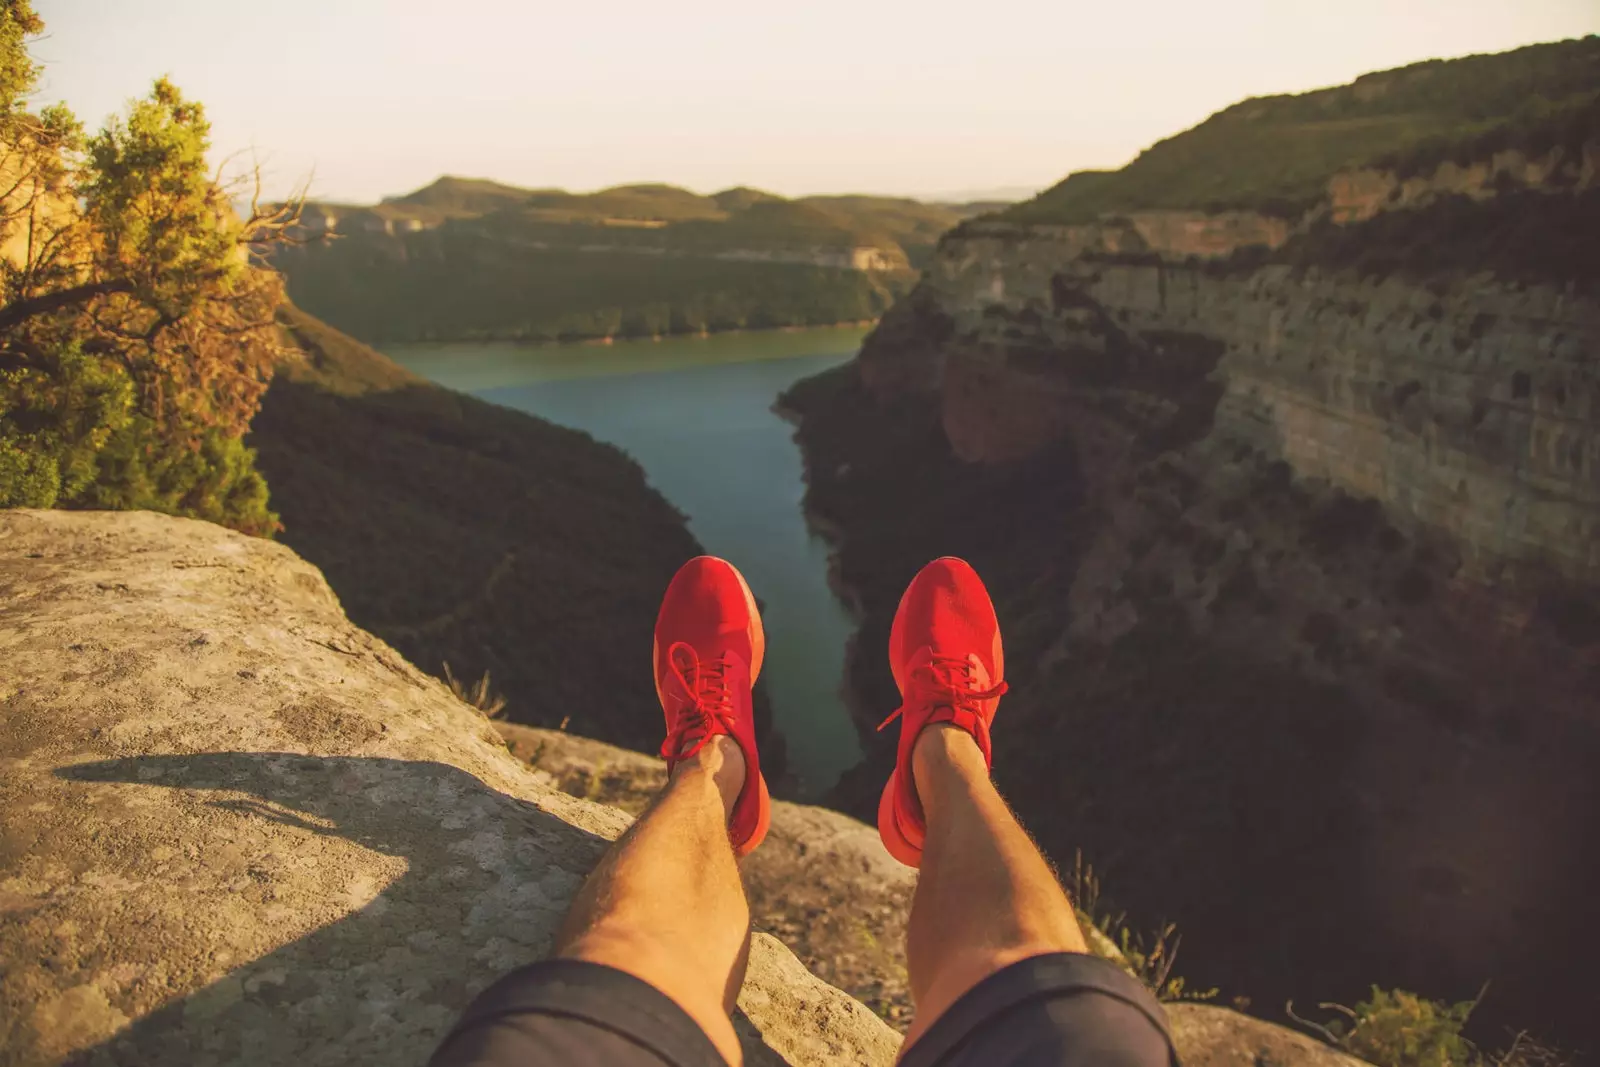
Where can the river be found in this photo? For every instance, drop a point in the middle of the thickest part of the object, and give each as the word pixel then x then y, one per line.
pixel 697 415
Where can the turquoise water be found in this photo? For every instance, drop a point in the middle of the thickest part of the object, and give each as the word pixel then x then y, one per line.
pixel 697 415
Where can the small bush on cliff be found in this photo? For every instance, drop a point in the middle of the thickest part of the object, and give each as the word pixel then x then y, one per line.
pixel 136 335
pixel 1394 1028
pixel 1149 958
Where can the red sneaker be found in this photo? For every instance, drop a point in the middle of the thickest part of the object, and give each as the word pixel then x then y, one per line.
pixel 944 650
pixel 708 650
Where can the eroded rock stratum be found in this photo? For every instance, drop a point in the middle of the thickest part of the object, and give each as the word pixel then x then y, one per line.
pixel 234 828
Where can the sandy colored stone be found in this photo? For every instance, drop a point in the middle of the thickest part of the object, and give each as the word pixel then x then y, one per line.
pixel 1209 1036
pixel 824 882
pixel 235 829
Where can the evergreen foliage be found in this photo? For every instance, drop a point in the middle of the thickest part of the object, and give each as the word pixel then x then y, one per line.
pixel 136 335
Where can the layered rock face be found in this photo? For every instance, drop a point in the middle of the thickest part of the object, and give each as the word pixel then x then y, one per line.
pixel 1461 403
pixel 1295 534
pixel 239 830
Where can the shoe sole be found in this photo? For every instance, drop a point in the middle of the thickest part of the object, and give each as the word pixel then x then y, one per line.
pixel 758 646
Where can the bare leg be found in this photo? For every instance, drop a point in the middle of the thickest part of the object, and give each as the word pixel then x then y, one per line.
pixel 985 898
pixel 666 904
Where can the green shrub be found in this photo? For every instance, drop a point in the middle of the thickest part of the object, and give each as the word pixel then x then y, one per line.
pixel 136 335
pixel 1398 1029
pixel 71 437
pixel 56 416
pixel 1395 1028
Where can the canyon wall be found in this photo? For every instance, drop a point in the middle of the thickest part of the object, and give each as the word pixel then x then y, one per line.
pixel 1294 529
pixel 1461 403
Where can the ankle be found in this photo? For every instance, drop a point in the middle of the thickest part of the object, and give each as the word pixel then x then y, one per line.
pixel 721 762
pixel 944 756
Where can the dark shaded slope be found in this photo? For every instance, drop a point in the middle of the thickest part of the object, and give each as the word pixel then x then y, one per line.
pixel 1210 779
pixel 466 533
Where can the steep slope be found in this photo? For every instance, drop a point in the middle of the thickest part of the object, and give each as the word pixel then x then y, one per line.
pixel 466 258
pixel 1292 509
pixel 239 830
pixel 468 534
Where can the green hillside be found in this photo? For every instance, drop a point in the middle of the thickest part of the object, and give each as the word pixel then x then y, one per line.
pixel 456 198
pixel 468 258
pixel 453 285
pixel 1275 153
pixel 467 533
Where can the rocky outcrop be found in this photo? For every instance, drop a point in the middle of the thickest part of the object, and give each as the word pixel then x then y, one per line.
pixel 1209 1036
pixel 823 884
pixel 1361 194
pixel 237 829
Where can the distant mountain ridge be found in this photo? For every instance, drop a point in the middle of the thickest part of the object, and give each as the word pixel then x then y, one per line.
pixel 1275 154
pixel 469 258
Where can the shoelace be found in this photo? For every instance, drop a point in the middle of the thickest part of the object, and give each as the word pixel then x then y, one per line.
pixel 946 681
pixel 704 685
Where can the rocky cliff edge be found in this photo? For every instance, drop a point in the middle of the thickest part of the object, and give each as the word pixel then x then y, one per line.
pixel 237 829
pixel 823 883
pixel 234 828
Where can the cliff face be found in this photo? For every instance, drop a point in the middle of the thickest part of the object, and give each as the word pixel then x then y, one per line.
pixel 1461 403
pixel 239 830
pixel 1294 526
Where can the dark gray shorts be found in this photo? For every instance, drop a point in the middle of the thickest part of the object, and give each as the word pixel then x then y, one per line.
pixel 1061 1010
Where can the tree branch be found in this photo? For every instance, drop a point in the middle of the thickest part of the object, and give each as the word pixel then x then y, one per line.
pixel 20 311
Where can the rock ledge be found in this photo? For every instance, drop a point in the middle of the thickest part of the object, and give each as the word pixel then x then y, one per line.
pixel 237 829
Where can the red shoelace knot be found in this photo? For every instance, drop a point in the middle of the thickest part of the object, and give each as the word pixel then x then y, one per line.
pixel 701 687
pixel 946 682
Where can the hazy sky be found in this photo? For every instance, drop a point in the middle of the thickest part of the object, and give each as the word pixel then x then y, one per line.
pixel 926 97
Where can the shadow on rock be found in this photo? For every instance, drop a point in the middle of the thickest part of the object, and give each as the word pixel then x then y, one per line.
pixel 337 910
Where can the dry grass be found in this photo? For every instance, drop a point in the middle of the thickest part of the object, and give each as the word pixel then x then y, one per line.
pixel 476 694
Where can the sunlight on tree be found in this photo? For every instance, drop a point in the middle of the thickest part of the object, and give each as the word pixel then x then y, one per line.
pixel 137 331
